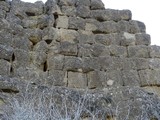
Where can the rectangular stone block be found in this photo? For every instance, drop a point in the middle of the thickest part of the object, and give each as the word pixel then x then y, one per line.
pixel 137 27
pixel 140 51
pixel 118 51
pixel 154 51
pixel 76 23
pixel 97 5
pixel 83 11
pixel 6 52
pixel 124 26
pixel 130 78
pixel 105 62
pixel 149 77
pixel 96 79
pixel 143 39
pixel 67 2
pixel 55 62
pixel 5 67
pixel 50 33
pixel 92 25
pixel 68 49
pixel 128 39
pixel 62 22
pixel 67 35
pixel 154 63
pixel 83 2
pixel 73 63
pixel 136 64
pixel 111 14
pixel 90 64
pixel 77 80
pixel 114 78
pixel 68 10
pixel 108 27
pixel 56 78
pixel 85 37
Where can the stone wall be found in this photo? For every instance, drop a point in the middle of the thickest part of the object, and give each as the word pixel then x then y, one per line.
pixel 78 44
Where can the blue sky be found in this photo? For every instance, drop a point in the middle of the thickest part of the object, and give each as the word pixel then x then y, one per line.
pixel 146 11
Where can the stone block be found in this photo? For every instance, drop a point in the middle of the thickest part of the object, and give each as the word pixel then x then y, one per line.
pixel 67 35
pixel 21 43
pixel 95 50
pixel 6 52
pixel 83 2
pixel 85 37
pixel 34 35
pixel 76 23
pixel 117 63
pixel 73 63
pixel 2 13
pixel 5 38
pixel 39 59
pixel 29 23
pixel 55 62
pixel 56 78
pixel 130 78
pixel 128 39
pixel 68 10
pixel 108 27
pixel 137 27
pixel 96 79
pixel 49 33
pixel 83 11
pixel 67 2
pixel 154 51
pixel 97 4
pixel 4 6
pixel 77 80
pixel 124 26
pixel 5 67
pixel 111 14
pixel 108 39
pixel 62 22
pixel 22 58
pixel 136 64
pixel 68 49
pixel 116 77
pixel 90 64
pixel 51 7
pixel 149 77
pixel 154 63
pixel 118 51
pixel 104 62
pixel 138 51
pixel 143 39
pixel 41 47
pixel 92 25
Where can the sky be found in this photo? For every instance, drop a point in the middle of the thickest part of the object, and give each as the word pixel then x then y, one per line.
pixel 142 10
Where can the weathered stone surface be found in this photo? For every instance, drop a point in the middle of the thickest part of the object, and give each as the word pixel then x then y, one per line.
pixel 62 22
pixel 67 35
pixel 2 14
pixel 97 4
pixel 52 7
pixel 72 63
pixel 83 3
pixel 136 64
pixel 137 27
pixel 105 62
pixel 55 62
pixel 56 78
pixel 138 51
pixel 76 23
pixel 108 27
pixel 77 80
pixel 110 14
pixel 154 51
pixel 130 78
pixel 49 33
pixel 68 10
pixel 41 47
pixel 124 26
pixel 93 50
pixel 4 5
pixel 83 11
pixel 96 79
pixel 67 2
pixel 118 51
pixel 85 37
pixel 128 39
pixel 143 39
pixel 5 67
pixel 6 52
pixel 34 35
pixel 68 49
pixel 154 63
pixel 149 77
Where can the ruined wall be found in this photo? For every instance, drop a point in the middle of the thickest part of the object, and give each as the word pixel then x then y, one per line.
pixel 75 43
